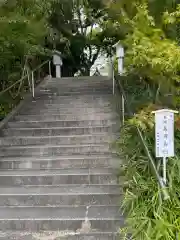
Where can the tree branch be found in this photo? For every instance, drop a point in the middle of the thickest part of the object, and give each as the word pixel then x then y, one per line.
pixel 95 55
pixel 80 21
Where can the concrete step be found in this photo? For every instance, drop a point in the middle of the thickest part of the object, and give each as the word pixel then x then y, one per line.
pixel 78 85
pixel 59 162
pixel 61 195
pixel 60 123
pixel 67 108
pixel 89 79
pixel 41 96
pixel 54 150
pixel 57 177
pixel 90 100
pixel 67 117
pixel 89 82
pixel 66 103
pixel 74 111
pixel 81 96
pixel 61 218
pixel 57 131
pixel 56 140
pixel 84 82
pixel 76 88
pixel 64 107
pixel 58 235
pixel 84 87
pixel 71 93
pixel 77 92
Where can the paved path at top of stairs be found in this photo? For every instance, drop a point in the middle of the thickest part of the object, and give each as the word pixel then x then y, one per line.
pixel 57 170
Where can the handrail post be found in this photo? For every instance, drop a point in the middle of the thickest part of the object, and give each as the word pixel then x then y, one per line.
pixel 113 80
pixel 29 83
pixel 50 73
pixel 112 73
pixel 31 73
pixel 32 79
pixel 123 109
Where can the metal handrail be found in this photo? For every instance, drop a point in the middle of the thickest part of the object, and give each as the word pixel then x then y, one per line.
pixel 32 87
pixel 125 102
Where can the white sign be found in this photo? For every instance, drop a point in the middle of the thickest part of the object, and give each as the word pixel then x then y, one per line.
pixel 164 133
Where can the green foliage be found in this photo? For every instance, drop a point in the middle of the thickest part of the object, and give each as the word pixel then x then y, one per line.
pixel 148 217
pixel 152 60
pixel 23 28
pixel 150 53
pixel 78 33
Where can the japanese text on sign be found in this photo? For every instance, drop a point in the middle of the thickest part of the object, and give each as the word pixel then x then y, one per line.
pixel 164 130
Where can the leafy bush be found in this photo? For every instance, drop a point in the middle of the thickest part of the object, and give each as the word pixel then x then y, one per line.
pixel 23 29
pixel 151 54
pixel 152 58
pixel 148 216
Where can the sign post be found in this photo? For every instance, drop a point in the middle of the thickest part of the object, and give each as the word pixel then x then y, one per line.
pixel 164 136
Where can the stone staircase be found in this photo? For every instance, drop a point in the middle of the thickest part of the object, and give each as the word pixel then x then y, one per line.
pixel 57 171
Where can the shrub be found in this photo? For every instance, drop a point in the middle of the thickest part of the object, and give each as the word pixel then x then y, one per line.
pixel 148 216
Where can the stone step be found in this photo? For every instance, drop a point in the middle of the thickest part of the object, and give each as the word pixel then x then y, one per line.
pixel 66 103
pixel 75 99
pixel 96 218
pixel 57 131
pixel 57 170
pixel 83 107
pixel 54 150
pixel 89 82
pixel 60 123
pixel 70 82
pixel 59 162
pixel 81 96
pixel 68 109
pixel 77 92
pixel 70 93
pixel 80 107
pixel 61 195
pixel 58 235
pixel 55 140
pixel 45 95
pixel 57 177
pixel 67 117
pixel 90 79
pixel 81 83
pixel 76 88
pixel 77 85
pixel 73 111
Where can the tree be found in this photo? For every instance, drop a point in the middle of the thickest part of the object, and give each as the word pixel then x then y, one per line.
pixel 152 61
pixel 76 33
pixel 23 28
